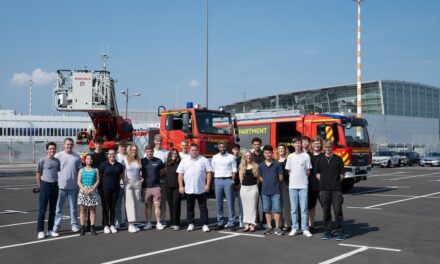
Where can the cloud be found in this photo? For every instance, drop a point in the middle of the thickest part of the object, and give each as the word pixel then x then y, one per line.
pixel 38 76
pixel 194 83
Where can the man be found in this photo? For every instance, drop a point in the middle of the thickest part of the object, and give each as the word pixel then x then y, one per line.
pixel 151 168
pixel 271 173
pixel 256 150
pixel 236 153
pixel 98 157
pixel 298 164
pixel 111 172
pixel 313 193
pixel 195 181
pixel 47 180
pixel 225 175
pixel 161 154
pixel 305 142
pixel 184 153
pixel 70 163
pixel 121 157
pixel 330 173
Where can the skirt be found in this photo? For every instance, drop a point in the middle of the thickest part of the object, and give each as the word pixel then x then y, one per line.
pixel 88 200
pixel 249 199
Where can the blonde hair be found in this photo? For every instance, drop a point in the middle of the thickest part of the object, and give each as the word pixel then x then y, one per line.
pixel 136 158
pixel 243 165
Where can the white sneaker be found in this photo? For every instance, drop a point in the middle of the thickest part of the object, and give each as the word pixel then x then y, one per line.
pixel 137 228
pixel 53 233
pixel 159 226
pixel 227 225
pixel 41 235
pixel 176 228
pixel 113 229
pixel 132 229
pixel 294 232
pixel 106 230
pixel 307 233
pixel 148 226
pixel 205 228
pixel 190 227
pixel 75 229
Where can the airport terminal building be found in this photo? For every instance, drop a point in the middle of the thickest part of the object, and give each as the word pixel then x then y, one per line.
pixel 401 114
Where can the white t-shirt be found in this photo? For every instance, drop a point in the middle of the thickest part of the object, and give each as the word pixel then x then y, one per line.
pixel 297 165
pixel 183 155
pixel 223 165
pixel 161 154
pixel 194 173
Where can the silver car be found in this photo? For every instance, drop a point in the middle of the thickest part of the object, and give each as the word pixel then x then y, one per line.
pixel 386 159
pixel 432 159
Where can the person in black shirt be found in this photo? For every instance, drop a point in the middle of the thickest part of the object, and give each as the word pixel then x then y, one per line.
pixel 313 190
pixel 281 156
pixel 258 157
pixel 330 173
pixel 236 153
pixel 174 198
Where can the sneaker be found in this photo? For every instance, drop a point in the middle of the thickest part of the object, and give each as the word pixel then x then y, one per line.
pixel 219 227
pixel 149 226
pixel 312 229
pixel 307 233
pixel 278 231
pixel 228 225
pixel 41 235
pixel 137 228
pixel 176 228
pixel 113 229
pixel 159 226
pixel 132 229
pixel 106 230
pixel 164 223
pixel 268 231
pixel 75 229
pixel 190 227
pixel 340 237
pixel 205 228
pixel 53 233
pixel 118 226
pixel 294 232
pixel 233 228
pixel 327 235
pixel 241 225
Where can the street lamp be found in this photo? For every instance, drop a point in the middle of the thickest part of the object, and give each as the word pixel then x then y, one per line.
pixel 127 95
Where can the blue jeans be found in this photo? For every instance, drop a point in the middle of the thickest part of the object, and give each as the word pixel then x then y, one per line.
pixel 298 196
pixel 227 186
pixel 48 195
pixel 72 197
pixel 272 203
pixel 118 208
pixel 240 205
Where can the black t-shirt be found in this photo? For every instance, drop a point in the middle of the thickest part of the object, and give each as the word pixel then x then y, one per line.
pixel 249 179
pixel 171 176
pixel 258 157
pixel 313 181
pixel 111 174
pixel 150 169
pixel 98 158
pixel 330 170
pixel 286 172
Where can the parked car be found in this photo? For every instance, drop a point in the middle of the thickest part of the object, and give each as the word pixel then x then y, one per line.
pixel 432 159
pixel 409 158
pixel 386 159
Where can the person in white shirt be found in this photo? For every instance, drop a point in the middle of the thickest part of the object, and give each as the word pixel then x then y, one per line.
pixel 195 181
pixel 184 153
pixel 161 154
pixel 225 172
pixel 298 164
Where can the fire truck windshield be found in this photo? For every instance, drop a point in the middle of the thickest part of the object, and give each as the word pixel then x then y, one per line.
pixel 356 136
pixel 214 123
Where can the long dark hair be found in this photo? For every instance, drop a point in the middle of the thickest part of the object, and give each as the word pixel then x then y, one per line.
pixel 170 161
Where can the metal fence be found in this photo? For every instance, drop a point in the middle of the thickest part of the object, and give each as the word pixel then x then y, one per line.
pixel 17 152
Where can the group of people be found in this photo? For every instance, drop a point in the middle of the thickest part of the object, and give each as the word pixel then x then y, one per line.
pixel 288 185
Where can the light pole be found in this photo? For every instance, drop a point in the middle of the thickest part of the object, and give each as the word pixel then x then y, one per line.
pixel 30 96
pixel 206 55
pixel 125 93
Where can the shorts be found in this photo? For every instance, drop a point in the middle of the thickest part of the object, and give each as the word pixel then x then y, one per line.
pixel 272 203
pixel 312 199
pixel 151 193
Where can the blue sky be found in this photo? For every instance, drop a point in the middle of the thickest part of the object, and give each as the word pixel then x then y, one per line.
pixel 256 47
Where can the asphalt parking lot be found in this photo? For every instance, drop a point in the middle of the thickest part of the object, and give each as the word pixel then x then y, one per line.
pixel 392 217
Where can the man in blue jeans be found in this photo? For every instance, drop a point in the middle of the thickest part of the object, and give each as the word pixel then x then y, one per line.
pixel 47 179
pixel 67 183
pixel 225 174
pixel 298 164
pixel 271 174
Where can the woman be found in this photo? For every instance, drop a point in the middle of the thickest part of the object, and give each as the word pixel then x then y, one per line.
pixel 248 174
pixel 133 186
pixel 281 156
pixel 173 196
pixel 88 181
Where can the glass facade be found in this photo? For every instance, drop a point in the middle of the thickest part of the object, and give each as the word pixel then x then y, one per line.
pixel 397 98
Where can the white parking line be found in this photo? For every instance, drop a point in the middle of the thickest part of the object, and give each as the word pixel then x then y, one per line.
pixel 386 174
pixel 356 251
pixel 38 241
pixel 393 202
pixel 13 212
pixel 415 176
pixel 370 191
pixel 31 222
pixel 231 233
pixel 171 249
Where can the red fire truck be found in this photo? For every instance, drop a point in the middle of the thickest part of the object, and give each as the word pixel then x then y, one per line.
pixel 349 133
